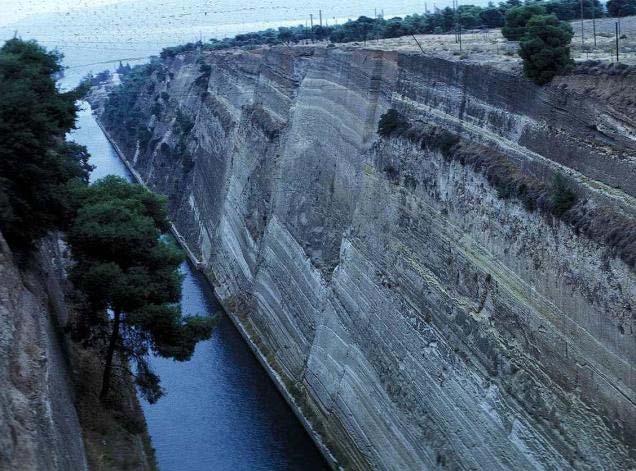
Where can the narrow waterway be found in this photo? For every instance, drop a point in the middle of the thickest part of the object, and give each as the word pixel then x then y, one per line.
pixel 221 411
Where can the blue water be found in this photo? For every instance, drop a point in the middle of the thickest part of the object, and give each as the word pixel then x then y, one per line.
pixel 221 411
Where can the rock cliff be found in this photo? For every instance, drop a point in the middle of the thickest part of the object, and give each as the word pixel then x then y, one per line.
pixel 39 427
pixel 427 295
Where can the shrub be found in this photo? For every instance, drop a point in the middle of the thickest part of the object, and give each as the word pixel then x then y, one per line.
pixel 545 48
pixel 144 136
pixel 392 123
pixel 562 197
pixel 517 19
pixel 183 124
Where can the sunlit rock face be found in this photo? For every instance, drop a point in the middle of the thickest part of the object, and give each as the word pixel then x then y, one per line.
pixel 417 318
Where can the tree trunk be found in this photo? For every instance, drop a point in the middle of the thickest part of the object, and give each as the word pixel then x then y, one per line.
pixel 114 336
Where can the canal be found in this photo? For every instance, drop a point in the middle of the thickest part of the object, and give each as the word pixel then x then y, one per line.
pixel 221 410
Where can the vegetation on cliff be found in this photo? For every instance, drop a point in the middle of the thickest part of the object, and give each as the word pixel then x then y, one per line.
pixel 555 196
pixel 125 265
pixel 126 283
pixel 37 164
pixel 122 114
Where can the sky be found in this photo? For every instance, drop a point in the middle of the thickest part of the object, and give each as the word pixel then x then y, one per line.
pixel 14 10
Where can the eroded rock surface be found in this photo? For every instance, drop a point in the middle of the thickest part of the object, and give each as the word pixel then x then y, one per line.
pixel 39 428
pixel 418 318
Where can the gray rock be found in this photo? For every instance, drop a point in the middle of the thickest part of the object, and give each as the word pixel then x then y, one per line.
pixel 417 319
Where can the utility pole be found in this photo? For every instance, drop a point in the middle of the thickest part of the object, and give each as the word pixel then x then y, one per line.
pixel 320 13
pixel 455 18
pixel 311 20
pixel 582 31
pixel 616 41
pixel 594 22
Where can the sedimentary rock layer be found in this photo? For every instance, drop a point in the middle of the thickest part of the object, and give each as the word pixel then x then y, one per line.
pixel 420 319
pixel 39 428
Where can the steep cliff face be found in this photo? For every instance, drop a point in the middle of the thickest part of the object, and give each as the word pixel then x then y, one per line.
pixel 420 311
pixel 39 428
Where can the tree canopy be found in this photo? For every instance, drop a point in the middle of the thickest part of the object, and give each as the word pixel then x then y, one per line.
pixel 124 263
pixel 621 7
pixel 517 18
pixel 545 48
pixel 37 164
pixel 444 20
pixel 128 266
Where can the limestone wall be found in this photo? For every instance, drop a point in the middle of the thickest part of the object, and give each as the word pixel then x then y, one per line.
pixel 419 319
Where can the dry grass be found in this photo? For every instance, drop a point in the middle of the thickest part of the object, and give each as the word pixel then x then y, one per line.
pixel 490 47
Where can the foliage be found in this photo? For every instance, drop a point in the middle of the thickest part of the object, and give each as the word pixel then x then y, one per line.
pixel 545 48
pixel 125 264
pixel 621 7
pixel 517 18
pixel 441 21
pixel 392 123
pixel 102 77
pixel 492 17
pixel 567 10
pixel 122 113
pixel 562 196
pixel 37 164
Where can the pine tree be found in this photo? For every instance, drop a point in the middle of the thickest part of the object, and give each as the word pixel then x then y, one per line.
pixel 128 267
pixel 36 162
pixel 545 48
pixel 517 19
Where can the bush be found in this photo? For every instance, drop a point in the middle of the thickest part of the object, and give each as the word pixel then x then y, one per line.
pixel 562 197
pixel 392 123
pixel 517 19
pixel 545 48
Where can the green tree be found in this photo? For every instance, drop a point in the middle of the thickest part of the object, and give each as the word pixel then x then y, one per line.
pixel 36 162
pixel 126 265
pixel 621 7
pixel 545 48
pixel 517 18
pixel 492 17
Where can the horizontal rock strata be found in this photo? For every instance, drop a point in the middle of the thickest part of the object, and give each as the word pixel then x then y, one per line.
pixel 418 317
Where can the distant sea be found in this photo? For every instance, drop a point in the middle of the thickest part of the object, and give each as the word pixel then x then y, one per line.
pixel 93 39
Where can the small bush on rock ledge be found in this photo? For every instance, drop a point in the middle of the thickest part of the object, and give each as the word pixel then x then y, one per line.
pixel 391 123
pixel 556 198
